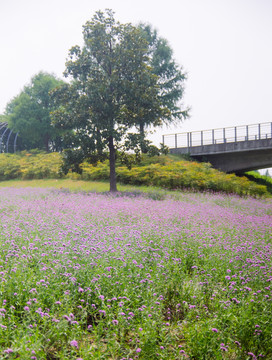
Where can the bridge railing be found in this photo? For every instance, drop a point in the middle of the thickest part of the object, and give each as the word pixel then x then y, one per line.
pixel 219 136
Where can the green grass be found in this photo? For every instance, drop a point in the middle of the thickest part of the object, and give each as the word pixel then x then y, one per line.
pixel 79 185
pixel 73 185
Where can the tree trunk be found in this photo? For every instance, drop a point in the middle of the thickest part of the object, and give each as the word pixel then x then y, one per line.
pixel 46 142
pixel 142 137
pixel 113 186
pixel 99 144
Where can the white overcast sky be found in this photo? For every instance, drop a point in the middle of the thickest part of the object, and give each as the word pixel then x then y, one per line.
pixel 225 46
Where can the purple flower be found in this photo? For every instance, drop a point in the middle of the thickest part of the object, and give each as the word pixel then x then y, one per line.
pixel 74 343
pixel 138 350
pixel 8 351
pixel 251 354
pixel 214 330
pixel 26 308
pixel 223 347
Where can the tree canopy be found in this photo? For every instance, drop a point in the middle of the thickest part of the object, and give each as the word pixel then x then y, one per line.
pixel 112 87
pixel 171 78
pixel 29 114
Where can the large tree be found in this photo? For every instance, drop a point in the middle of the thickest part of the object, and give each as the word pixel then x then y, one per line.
pixel 29 114
pixel 109 75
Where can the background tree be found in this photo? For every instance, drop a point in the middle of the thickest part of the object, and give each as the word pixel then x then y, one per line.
pixel 109 74
pixel 3 118
pixel 29 114
pixel 171 78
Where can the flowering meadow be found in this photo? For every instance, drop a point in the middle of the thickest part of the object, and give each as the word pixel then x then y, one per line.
pixel 95 276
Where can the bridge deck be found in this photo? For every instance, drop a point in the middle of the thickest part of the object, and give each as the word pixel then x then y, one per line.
pixel 234 149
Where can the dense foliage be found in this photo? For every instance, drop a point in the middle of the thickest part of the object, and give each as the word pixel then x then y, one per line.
pixel 160 171
pixel 171 78
pixel 30 165
pixel 29 115
pixel 177 175
pixel 107 277
pixel 260 179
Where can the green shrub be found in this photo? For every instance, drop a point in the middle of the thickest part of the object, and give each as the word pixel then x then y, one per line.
pixel 10 167
pixel 162 171
pixel 30 165
pixel 260 179
pixel 173 175
pixel 101 171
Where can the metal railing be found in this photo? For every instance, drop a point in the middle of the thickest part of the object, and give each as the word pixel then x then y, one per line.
pixel 219 136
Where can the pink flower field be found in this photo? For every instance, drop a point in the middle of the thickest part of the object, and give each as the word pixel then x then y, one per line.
pixel 95 276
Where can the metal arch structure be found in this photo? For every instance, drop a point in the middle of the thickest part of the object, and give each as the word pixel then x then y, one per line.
pixel 8 139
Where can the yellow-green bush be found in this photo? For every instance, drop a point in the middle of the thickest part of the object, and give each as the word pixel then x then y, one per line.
pixel 177 175
pixel 10 167
pixel 101 171
pixel 167 173
pixel 260 179
pixel 30 165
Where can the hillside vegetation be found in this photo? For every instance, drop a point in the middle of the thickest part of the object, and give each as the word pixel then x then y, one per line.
pixel 168 172
pixel 260 179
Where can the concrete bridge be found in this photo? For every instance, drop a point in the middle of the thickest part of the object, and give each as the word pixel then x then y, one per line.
pixel 231 149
